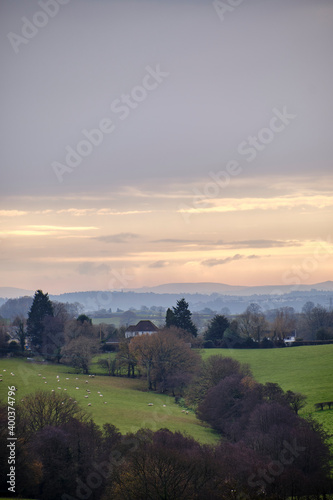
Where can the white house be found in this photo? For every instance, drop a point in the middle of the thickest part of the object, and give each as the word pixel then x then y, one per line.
pixel 143 327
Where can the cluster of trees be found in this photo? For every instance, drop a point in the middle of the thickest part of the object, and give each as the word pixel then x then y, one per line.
pixel 54 331
pixel 57 330
pixel 263 421
pixel 255 328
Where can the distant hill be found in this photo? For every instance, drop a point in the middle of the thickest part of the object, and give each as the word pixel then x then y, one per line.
pixel 218 297
pixel 224 289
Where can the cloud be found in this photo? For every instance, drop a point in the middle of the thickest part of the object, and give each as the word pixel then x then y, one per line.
pixel 220 262
pixel 12 213
pixel 158 264
pixel 261 243
pixel 45 230
pixel 91 268
pixel 274 203
pixel 117 238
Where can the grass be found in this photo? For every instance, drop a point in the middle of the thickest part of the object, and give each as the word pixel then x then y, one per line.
pixel 306 369
pixel 126 400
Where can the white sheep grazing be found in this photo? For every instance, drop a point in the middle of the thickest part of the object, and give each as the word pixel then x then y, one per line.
pixel 76 387
pixel 89 404
pixel 105 402
pixel 85 396
pixel 164 406
pixel 150 404
pixel 101 395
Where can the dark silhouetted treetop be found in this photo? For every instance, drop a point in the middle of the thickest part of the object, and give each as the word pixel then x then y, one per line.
pixel 181 317
pixel 40 308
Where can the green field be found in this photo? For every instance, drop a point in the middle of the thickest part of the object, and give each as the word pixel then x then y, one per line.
pixel 306 369
pixel 124 402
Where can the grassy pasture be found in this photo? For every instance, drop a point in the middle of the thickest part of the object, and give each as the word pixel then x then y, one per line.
pixel 124 402
pixel 306 369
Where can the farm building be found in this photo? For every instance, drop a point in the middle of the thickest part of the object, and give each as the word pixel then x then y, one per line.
pixel 143 327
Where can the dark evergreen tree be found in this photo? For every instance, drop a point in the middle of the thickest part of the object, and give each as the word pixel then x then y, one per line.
pixel 170 319
pixel 181 317
pixel 40 309
pixel 83 317
pixel 217 327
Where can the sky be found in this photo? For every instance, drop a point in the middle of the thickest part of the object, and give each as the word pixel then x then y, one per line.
pixel 157 141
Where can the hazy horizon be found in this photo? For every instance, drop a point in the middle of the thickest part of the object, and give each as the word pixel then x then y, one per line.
pixel 160 142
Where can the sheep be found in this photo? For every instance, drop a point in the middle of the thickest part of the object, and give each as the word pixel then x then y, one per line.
pixel 67 378
pixel 76 387
pixel 85 396
pixel 183 411
pixel 59 387
pixel 150 404
pixel 164 406
pixel 105 402
pixel 89 404
pixel 101 395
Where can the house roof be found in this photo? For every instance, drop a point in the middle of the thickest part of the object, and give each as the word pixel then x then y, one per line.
pixel 142 326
